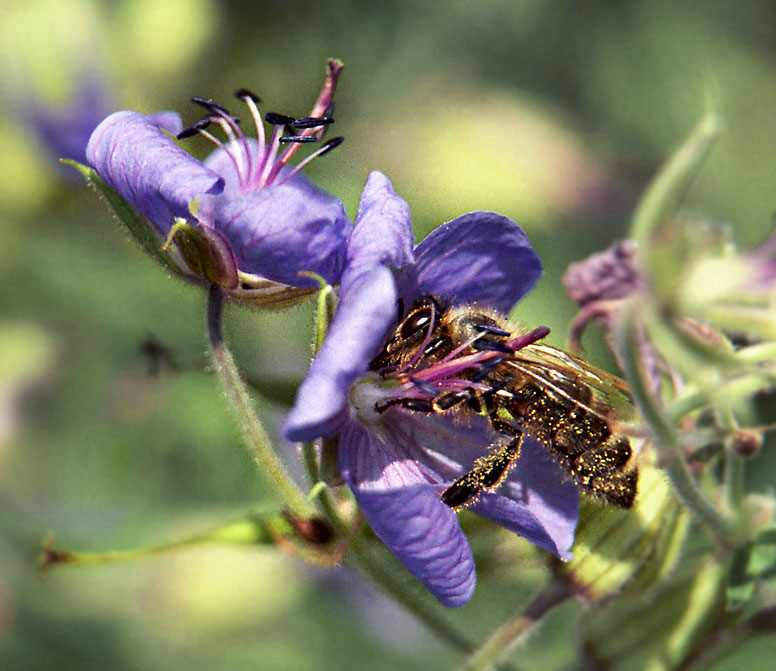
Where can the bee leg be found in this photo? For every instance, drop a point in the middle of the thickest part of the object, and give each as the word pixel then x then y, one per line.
pixel 488 473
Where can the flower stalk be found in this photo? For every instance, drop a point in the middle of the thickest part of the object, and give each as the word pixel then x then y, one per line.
pixel 253 431
pixel 665 435
pixel 508 636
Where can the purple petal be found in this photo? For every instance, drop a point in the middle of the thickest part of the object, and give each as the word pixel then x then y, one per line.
pixel 383 229
pixel 381 239
pixel 478 257
pixel 422 532
pixel 366 310
pixel 279 231
pixel 131 154
pixel 537 502
pixel 64 131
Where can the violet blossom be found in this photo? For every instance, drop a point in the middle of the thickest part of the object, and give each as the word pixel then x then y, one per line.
pixel 257 224
pixel 64 130
pixel 397 462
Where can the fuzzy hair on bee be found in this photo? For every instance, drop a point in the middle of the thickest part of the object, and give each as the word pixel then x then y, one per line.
pixel 465 360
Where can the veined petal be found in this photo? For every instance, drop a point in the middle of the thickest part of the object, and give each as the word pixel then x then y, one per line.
pixel 366 310
pixel 421 531
pixel 131 154
pixel 383 230
pixel 480 257
pixel 279 231
pixel 537 502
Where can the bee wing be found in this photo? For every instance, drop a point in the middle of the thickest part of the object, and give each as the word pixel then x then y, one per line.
pixel 589 387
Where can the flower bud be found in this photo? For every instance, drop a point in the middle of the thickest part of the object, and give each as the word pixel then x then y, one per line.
pixel 618 549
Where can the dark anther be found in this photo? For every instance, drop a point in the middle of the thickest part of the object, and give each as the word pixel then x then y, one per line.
pixel 242 94
pixel 276 119
pixel 424 386
pixel 400 309
pixel 312 121
pixel 492 346
pixel 327 146
pixel 299 138
pixel 193 129
pixel 495 388
pixel 487 368
pixel 210 105
pixel 493 330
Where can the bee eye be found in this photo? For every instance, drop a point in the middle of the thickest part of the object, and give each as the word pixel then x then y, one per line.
pixel 420 322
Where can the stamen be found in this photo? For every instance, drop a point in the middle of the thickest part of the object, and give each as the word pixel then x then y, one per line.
pixel 487 368
pixel 252 100
pixel 492 346
pixel 497 389
pixel 247 94
pixel 425 387
pixel 265 169
pixel 299 138
pixel 312 122
pixel 275 119
pixel 194 129
pixel 492 329
pixel 210 105
pixel 529 338
pixel 325 148
pixel 244 155
pixel 218 144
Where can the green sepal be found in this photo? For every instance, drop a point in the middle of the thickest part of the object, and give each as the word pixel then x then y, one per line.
pixel 130 219
pixel 752 567
pixel 206 253
pixel 615 548
pixel 325 308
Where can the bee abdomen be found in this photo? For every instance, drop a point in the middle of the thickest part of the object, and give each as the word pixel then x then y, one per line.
pixel 602 472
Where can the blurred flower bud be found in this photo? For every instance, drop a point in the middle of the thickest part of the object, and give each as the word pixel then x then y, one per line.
pixel 618 550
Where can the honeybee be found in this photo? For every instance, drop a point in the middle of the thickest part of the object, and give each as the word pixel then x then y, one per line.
pixel 466 360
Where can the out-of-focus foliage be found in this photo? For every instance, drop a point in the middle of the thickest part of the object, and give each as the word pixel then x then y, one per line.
pixel 554 113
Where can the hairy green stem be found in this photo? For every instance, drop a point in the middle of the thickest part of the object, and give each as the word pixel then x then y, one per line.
pixel 251 530
pixel 733 472
pixel 509 635
pixel 665 435
pixel 725 392
pixel 241 402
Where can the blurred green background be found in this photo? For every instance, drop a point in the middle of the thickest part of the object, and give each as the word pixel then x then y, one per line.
pixel 554 113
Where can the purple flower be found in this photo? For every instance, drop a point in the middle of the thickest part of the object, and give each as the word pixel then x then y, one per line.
pixel 252 223
pixel 63 131
pixel 398 461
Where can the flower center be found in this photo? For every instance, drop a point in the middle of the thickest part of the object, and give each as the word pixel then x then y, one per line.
pixel 258 163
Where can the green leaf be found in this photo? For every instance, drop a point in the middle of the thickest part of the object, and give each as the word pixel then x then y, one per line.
pixel 753 564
